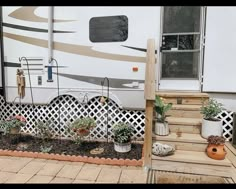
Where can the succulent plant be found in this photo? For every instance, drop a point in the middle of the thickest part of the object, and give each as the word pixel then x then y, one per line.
pixel 217 140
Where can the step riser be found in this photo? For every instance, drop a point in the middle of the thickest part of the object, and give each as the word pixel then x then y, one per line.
pixel 186 146
pixel 184 113
pixel 184 121
pixel 185 129
pixel 184 100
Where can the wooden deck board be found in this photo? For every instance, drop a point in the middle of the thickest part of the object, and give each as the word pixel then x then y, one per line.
pixel 184 121
pixel 186 107
pixel 193 157
pixel 185 137
pixel 192 168
pixel 231 153
pixel 181 94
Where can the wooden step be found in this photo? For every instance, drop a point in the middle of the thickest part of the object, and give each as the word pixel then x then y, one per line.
pixel 188 142
pixel 183 97
pixel 185 107
pixel 181 94
pixel 193 157
pixel 188 111
pixel 184 121
pixel 198 147
pixel 231 153
pixel 185 137
pixel 192 129
pixel 194 168
pixel 184 113
pixel 185 100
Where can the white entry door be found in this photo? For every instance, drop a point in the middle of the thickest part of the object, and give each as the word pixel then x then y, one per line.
pixel 180 56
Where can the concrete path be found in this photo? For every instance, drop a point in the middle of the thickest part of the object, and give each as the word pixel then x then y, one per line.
pixel 30 170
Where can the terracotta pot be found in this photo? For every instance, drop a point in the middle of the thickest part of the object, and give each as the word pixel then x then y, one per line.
pixel 216 151
pixel 15 130
pixel 83 132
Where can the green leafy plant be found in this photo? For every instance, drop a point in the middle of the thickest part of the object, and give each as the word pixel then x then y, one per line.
pixel 45 149
pixel 122 132
pixel 13 122
pixel 210 109
pixel 76 139
pixel 82 126
pixel 43 130
pixel 161 108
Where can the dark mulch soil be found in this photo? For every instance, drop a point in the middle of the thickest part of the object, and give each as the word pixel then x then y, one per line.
pixel 67 147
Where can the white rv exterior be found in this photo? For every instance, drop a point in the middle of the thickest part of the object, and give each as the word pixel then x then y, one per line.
pixel 68 35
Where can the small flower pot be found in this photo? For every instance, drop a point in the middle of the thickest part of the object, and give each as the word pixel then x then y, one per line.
pixel 83 132
pixel 15 130
pixel 162 129
pixel 211 128
pixel 122 147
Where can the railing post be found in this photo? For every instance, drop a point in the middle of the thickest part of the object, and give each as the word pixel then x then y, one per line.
pixel 149 95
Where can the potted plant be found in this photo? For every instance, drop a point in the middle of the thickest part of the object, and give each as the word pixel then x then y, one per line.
pixel 13 124
pixel 82 126
pixel 122 137
pixel 215 148
pixel 210 124
pixel 161 125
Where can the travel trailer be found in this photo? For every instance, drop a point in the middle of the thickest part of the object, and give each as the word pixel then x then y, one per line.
pixel 74 50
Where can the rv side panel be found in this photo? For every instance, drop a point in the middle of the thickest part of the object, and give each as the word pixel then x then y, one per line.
pixel 219 61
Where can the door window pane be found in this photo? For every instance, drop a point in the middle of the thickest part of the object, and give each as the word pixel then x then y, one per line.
pixel 169 42
pixel 181 42
pixel 180 65
pixel 189 42
pixel 180 19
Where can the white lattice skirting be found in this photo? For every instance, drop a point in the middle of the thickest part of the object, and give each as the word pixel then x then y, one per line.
pixel 70 109
pixel 227 119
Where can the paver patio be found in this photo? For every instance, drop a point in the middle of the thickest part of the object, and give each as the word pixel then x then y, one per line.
pixel 29 170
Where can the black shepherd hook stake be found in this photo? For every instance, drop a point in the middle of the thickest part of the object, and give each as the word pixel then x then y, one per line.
pixel 58 95
pixel 102 83
pixel 32 98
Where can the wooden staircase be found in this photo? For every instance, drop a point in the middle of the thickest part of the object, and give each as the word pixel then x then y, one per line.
pixel 185 126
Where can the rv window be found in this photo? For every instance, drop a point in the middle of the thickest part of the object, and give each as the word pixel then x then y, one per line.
pixel 108 29
pixel 181 19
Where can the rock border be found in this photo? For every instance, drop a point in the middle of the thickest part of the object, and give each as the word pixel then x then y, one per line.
pixel 73 158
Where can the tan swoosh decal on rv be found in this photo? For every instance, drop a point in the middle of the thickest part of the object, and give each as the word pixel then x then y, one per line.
pixel 27 14
pixel 75 49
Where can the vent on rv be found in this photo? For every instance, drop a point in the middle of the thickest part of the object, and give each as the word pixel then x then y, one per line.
pixel 36 65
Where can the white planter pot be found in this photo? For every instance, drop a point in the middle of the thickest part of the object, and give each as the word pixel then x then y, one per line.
pixel 211 128
pixel 162 128
pixel 122 147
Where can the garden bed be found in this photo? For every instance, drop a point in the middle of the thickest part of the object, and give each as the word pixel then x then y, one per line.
pixel 29 146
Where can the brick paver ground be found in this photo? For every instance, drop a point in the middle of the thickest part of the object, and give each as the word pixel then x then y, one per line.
pixel 29 170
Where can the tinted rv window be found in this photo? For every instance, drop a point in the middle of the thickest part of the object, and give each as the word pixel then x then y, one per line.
pixel 108 29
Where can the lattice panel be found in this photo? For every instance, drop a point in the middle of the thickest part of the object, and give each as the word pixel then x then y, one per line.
pixel 70 109
pixel 227 118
